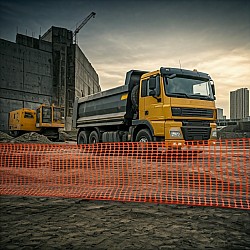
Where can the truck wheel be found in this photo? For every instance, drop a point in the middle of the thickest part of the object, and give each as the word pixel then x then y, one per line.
pixel 116 137
pixel 144 135
pixel 135 97
pixel 125 137
pixel 105 137
pixel 82 138
pixel 93 137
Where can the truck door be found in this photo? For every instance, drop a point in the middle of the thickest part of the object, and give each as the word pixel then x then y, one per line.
pixel 151 105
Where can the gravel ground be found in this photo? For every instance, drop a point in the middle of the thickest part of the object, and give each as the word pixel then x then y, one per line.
pixel 56 223
pixel 31 137
pixel 5 137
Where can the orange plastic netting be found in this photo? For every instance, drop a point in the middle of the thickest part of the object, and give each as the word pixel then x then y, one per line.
pixel 214 175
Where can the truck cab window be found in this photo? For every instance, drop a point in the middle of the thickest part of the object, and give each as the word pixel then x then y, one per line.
pixel 57 115
pixel 28 115
pixel 146 89
pixel 38 115
pixel 46 115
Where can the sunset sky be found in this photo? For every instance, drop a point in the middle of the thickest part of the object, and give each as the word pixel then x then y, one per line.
pixel 210 36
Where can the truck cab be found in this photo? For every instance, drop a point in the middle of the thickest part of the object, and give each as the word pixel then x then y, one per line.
pixel 178 105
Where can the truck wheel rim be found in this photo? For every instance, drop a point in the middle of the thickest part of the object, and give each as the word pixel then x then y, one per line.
pixel 143 139
pixel 93 140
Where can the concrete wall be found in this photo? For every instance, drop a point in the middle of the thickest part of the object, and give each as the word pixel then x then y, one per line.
pixel 86 78
pixel 61 41
pixel 48 70
pixel 25 78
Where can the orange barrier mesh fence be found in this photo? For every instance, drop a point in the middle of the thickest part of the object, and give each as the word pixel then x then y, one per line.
pixel 214 175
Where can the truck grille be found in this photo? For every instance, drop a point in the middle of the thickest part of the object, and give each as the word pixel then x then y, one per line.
pixel 196 133
pixel 192 112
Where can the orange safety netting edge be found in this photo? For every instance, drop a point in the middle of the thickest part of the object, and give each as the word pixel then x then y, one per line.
pixel 198 174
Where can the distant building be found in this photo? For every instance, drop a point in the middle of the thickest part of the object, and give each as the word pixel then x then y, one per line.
pixel 220 115
pixel 50 69
pixel 239 103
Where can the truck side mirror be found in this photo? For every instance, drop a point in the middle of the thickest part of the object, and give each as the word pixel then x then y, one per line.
pixel 152 93
pixel 152 83
pixel 213 90
pixel 154 87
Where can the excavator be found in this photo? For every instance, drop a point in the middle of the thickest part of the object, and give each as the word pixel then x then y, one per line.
pixel 45 120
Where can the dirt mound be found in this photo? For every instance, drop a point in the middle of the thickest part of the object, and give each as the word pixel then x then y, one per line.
pixel 5 137
pixel 32 137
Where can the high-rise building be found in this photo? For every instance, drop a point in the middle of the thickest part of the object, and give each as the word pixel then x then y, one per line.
pixel 239 103
pixel 219 114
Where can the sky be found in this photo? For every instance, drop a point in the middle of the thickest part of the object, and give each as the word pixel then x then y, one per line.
pixel 212 36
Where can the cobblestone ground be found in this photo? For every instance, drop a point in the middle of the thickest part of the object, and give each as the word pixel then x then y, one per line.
pixel 55 223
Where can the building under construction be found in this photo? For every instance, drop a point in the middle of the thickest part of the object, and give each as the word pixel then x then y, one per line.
pixel 50 69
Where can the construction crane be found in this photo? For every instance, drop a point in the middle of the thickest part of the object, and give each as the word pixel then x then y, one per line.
pixel 92 14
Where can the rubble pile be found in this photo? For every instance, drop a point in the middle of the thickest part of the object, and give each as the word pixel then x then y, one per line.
pixel 67 136
pixel 5 137
pixel 32 137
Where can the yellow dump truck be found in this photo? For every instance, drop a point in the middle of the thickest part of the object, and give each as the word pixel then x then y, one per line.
pixel 169 104
pixel 45 120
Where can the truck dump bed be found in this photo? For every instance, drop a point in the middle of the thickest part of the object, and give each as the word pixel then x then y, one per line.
pixel 103 108
pixel 110 107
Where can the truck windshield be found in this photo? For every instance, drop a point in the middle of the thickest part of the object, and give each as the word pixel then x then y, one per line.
pixel 188 88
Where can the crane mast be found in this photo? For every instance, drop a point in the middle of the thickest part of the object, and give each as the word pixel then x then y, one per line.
pixel 92 14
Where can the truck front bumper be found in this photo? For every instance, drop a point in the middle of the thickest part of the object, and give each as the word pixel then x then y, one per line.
pixel 178 133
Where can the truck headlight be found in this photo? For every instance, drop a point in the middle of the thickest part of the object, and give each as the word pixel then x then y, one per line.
pixel 214 134
pixel 174 133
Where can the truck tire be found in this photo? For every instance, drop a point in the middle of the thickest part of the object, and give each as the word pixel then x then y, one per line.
pixel 116 137
pixel 135 97
pixel 82 138
pixel 125 137
pixel 93 137
pixel 144 135
pixel 105 137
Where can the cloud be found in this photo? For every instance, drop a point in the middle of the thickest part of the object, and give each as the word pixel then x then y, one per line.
pixel 230 71
pixel 211 36
pixel 229 68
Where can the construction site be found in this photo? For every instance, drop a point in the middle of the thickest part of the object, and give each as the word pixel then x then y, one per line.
pixel 138 166
pixel 51 69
